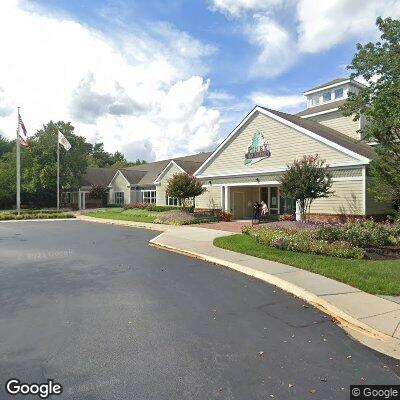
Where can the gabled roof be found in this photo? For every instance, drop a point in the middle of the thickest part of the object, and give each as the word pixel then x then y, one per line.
pixel 334 105
pixel 153 170
pixel 185 164
pixel 331 137
pixel 328 133
pixel 132 176
pixel 333 83
pixel 98 176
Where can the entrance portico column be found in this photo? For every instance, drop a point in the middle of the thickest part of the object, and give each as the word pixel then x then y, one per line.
pixel 298 214
pixel 79 200
pixel 227 202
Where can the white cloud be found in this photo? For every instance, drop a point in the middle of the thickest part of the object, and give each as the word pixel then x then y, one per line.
pixel 323 24
pixel 277 48
pixel 278 102
pixel 236 7
pixel 138 87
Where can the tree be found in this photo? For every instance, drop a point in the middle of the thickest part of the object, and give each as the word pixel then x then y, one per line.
pixel 98 192
pixel 5 145
pixel 305 180
pixel 378 63
pixel 184 187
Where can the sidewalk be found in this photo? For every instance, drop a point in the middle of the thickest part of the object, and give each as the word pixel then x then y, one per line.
pixel 373 320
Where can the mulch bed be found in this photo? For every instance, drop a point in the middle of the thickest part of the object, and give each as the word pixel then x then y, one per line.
pixel 383 253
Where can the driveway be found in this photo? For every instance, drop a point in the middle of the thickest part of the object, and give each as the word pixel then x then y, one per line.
pixel 93 307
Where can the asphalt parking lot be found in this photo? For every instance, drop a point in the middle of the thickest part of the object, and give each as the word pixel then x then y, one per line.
pixel 93 307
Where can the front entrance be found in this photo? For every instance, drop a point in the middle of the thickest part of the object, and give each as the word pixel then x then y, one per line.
pixel 238 205
pixel 242 199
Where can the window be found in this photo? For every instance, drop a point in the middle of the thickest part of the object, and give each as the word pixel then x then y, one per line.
pixel 149 196
pixel 327 96
pixel 338 93
pixel 173 201
pixel 315 101
pixel 119 198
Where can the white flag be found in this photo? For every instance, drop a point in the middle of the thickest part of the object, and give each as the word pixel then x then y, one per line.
pixel 63 141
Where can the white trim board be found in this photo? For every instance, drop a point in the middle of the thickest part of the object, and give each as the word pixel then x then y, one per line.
pixel 356 156
pixel 319 113
pixel 274 170
pixel 172 162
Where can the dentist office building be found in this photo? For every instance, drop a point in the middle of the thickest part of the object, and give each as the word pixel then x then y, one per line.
pixel 246 167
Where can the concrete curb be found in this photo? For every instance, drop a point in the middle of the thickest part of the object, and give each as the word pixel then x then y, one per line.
pixel 373 338
pixel 130 224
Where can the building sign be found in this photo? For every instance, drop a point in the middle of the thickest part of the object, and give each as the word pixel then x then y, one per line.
pixel 257 149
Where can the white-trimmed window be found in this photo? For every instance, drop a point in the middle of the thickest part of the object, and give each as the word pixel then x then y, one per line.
pixel 339 93
pixel 173 201
pixel 315 100
pixel 326 96
pixel 149 196
pixel 119 198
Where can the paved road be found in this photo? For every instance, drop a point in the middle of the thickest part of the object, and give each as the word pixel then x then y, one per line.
pixel 96 309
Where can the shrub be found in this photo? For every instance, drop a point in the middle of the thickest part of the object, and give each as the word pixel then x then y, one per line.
pixel 223 216
pixel 302 240
pixel 179 217
pixel 361 233
pixel 13 215
pixel 287 217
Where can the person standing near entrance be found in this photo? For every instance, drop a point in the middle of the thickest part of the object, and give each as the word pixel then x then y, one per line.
pixel 264 210
pixel 256 211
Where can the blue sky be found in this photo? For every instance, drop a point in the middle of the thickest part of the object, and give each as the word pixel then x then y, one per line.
pixel 156 79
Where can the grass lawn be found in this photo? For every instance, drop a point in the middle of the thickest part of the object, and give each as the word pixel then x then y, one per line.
pixel 375 277
pixel 135 215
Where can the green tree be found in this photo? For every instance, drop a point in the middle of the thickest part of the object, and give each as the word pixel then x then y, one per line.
pixel 5 145
pixel 379 64
pixel 305 180
pixel 184 187
pixel 40 178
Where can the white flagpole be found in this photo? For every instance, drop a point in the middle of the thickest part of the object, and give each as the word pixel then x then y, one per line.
pixel 58 170
pixel 18 205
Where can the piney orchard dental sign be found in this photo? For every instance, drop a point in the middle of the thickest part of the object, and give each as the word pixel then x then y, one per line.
pixel 257 149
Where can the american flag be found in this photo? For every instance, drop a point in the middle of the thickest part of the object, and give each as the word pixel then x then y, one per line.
pixel 23 135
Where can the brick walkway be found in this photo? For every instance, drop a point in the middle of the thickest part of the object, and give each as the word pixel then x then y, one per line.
pixel 233 226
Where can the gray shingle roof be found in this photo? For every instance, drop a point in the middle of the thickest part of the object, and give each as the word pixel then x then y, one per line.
pixel 332 82
pixel 152 170
pixel 98 176
pixel 328 133
pixel 322 107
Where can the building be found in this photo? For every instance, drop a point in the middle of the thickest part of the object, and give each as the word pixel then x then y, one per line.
pixel 247 165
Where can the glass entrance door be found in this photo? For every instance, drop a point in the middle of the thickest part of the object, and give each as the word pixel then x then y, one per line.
pixel 270 194
pixel 273 200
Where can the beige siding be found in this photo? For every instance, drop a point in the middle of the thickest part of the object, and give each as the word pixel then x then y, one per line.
pixel 347 199
pixel 210 199
pixel 336 120
pixel 376 207
pixel 286 144
pixel 119 184
pixel 160 189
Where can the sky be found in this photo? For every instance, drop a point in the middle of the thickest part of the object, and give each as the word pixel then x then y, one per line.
pixel 162 78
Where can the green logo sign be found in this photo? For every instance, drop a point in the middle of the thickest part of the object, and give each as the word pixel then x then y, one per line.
pixel 257 149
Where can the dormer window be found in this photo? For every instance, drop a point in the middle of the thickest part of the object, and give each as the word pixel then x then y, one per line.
pixel 315 101
pixel 339 93
pixel 326 96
